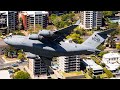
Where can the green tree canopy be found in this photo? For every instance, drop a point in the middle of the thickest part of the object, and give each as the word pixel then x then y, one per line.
pixel 108 13
pixel 102 53
pixel 75 37
pixel 108 72
pixel 21 75
pixel 101 47
pixel 112 25
pixel 63 20
pixel 118 46
pixel 21 56
pixel 103 64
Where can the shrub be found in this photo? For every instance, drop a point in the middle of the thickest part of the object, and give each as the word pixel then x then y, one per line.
pixel 108 72
pixel 103 64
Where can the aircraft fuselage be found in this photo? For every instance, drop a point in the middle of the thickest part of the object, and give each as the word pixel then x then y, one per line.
pixel 47 49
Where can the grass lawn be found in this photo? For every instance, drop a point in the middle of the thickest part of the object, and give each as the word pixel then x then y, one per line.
pixel 76 73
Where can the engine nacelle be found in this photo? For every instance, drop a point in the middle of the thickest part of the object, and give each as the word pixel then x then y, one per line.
pixel 35 37
pixel 46 33
pixel 31 56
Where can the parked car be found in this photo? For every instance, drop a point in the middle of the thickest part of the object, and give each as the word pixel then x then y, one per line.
pixel 14 65
pixel 19 62
pixel 10 70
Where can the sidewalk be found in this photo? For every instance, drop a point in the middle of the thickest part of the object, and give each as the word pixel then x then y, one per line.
pixel 6 61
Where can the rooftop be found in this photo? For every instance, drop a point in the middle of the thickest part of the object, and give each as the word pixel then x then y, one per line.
pixel 4 74
pixel 91 64
pixel 35 12
pixel 111 55
pixel 112 66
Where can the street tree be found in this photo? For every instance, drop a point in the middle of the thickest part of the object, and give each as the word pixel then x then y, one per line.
pixel 21 75
pixel 118 46
pixel 75 37
pixel 102 53
pixel 90 72
pixel 103 64
pixel 101 47
pixel 107 13
pixel 21 56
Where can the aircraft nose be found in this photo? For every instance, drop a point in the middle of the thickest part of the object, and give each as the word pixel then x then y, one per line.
pixel 6 40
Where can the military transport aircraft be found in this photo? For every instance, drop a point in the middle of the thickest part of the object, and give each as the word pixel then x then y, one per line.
pixel 48 44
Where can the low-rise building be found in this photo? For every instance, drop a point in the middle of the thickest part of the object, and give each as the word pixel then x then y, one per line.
pixel 111 58
pixel 112 61
pixel 89 63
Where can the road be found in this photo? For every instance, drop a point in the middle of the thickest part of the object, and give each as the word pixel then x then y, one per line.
pixel 1 61
pixel 10 64
pixel 57 74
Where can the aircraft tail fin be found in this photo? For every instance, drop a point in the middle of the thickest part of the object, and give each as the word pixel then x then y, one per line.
pixel 97 38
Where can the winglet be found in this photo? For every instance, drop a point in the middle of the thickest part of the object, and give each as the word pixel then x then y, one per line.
pixel 77 23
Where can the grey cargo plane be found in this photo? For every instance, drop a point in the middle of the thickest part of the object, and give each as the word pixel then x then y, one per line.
pixel 48 44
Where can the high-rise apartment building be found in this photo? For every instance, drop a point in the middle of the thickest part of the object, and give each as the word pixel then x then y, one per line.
pixel 41 18
pixel 36 67
pixel 91 19
pixel 37 18
pixel 13 20
pixel 25 20
pixel 69 63
pixel 3 23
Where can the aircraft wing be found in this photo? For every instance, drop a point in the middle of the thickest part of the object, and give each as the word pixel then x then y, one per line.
pixel 59 35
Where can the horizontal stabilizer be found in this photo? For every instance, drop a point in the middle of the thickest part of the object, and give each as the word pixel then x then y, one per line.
pixel 97 38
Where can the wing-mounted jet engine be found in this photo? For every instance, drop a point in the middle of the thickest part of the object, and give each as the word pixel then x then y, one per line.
pixel 31 56
pixel 42 34
pixel 46 33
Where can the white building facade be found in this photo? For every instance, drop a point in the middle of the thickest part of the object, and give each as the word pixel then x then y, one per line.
pixel 89 63
pixel 112 61
pixel 91 19
pixel 36 68
pixel 69 63
pixel 111 58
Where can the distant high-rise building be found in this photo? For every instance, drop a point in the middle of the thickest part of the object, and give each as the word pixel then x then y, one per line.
pixel 37 17
pixel 3 23
pixel 41 18
pixel 91 19
pixel 13 20
pixel 69 63
pixel 25 20
pixel 58 12
pixel 31 21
